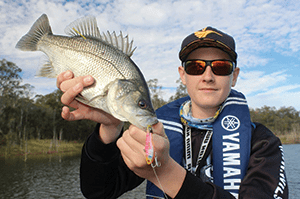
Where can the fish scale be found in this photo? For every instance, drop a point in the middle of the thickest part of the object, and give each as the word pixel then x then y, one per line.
pixel 119 89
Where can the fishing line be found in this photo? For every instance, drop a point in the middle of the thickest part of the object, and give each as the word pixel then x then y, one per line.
pixel 79 33
pixel 159 183
pixel 151 156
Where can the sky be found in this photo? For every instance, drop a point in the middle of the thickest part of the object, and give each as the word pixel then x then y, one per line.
pixel 267 35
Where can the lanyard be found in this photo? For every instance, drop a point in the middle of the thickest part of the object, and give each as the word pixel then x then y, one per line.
pixel 188 149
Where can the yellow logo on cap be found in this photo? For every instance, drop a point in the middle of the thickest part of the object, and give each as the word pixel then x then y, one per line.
pixel 203 33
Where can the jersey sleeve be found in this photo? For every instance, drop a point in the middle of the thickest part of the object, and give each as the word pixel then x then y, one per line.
pixel 265 177
pixel 103 173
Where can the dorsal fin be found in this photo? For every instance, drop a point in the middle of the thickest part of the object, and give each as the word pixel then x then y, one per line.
pixel 119 42
pixel 87 27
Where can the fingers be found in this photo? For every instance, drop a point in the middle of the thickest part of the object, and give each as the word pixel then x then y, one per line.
pixel 63 77
pixel 132 150
pixel 132 145
pixel 158 129
pixel 72 86
pixel 69 83
pixel 66 80
pixel 160 139
pixel 84 80
pixel 133 139
pixel 137 134
pixel 68 97
pixel 70 116
pixel 65 113
pixel 136 138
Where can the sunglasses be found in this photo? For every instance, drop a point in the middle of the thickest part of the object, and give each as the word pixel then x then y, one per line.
pixel 218 67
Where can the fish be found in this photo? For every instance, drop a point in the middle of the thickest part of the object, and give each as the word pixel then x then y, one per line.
pixel 119 89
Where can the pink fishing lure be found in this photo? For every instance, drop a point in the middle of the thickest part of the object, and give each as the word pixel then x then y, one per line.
pixel 151 156
pixel 149 149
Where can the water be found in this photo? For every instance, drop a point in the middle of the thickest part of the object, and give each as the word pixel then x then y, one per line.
pixel 51 177
pixel 292 161
pixel 58 177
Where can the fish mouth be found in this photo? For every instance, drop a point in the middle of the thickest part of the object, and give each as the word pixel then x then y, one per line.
pixel 151 121
pixel 154 122
pixel 143 121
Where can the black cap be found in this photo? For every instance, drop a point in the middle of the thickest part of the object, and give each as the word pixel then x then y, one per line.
pixel 208 37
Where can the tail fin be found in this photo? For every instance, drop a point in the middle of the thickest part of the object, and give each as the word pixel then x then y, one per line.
pixel 40 28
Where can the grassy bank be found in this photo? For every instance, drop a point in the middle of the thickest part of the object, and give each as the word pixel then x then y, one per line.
pixel 35 148
pixel 289 139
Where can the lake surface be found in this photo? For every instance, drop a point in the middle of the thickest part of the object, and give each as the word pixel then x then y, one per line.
pixel 58 177
pixel 292 161
pixel 51 177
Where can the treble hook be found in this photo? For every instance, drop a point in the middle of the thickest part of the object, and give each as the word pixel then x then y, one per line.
pixel 157 163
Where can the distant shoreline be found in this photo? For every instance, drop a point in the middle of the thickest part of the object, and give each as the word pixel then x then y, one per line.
pixel 37 148
pixel 44 147
pixel 289 139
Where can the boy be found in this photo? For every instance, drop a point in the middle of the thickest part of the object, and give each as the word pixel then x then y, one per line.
pixel 206 145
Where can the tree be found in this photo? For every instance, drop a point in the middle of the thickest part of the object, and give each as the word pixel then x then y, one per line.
pixel 9 89
pixel 15 102
pixel 282 121
pixel 156 93
pixel 9 78
pixel 286 117
pixel 53 125
pixel 180 91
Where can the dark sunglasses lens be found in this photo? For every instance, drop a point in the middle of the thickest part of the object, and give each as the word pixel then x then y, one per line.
pixel 195 67
pixel 222 67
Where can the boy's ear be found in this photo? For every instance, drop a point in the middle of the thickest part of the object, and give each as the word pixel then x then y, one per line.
pixel 182 74
pixel 236 73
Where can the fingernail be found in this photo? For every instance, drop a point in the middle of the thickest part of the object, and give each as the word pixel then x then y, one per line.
pixel 88 79
pixel 63 110
pixel 68 74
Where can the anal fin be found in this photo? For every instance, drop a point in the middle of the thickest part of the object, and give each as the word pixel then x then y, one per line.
pixel 46 69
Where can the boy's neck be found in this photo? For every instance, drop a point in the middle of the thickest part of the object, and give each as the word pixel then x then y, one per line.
pixel 203 113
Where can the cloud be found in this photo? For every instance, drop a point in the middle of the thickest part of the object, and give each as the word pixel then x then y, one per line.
pixel 261 29
pixel 285 96
pixel 268 89
pixel 257 81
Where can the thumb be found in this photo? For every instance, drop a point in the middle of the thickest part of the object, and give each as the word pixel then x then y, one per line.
pixel 158 129
pixel 161 143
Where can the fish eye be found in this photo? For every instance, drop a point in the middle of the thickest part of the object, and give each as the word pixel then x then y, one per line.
pixel 142 104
